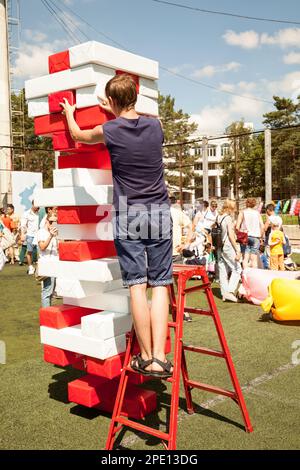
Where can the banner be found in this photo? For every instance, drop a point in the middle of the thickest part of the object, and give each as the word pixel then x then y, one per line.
pixel 23 185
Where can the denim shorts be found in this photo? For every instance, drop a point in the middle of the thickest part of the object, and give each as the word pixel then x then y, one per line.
pixel 144 247
pixel 29 243
pixel 253 245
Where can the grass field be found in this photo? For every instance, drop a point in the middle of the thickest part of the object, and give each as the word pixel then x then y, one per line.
pixel 35 413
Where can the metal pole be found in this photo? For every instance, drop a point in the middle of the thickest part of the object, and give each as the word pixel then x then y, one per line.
pixel 205 168
pixel 237 173
pixel 5 131
pixel 268 166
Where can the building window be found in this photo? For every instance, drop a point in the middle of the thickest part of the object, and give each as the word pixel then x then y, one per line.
pixel 211 150
pixel 225 149
pixel 197 151
pixel 212 166
pixel 198 166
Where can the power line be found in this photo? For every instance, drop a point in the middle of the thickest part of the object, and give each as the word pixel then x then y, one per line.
pixel 68 19
pixel 224 13
pixel 53 13
pixel 166 69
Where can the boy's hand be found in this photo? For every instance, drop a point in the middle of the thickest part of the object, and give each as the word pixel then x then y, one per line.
pixel 67 107
pixel 103 102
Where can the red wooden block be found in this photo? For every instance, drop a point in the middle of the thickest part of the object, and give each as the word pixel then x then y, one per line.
pixel 109 368
pixel 63 142
pixel 58 62
pixel 86 118
pixel 98 160
pixel 98 392
pixel 136 78
pixel 84 214
pixel 60 357
pixel 62 316
pixel 80 364
pixel 55 98
pixel 86 249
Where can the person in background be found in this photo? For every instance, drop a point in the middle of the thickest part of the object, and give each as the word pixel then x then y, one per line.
pixel 210 260
pixel 13 251
pixel 48 249
pixel 228 255
pixel 270 217
pixel 263 257
pixel 49 211
pixel 180 222
pixel 276 242
pixel 250 221
pixel 29 229
pixel 206 218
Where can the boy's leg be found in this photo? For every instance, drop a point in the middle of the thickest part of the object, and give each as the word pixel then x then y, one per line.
pixel 281 263
pixel 273 263
pixel 159 323
pixel 141 319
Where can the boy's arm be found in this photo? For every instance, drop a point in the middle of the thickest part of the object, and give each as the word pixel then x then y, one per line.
pixel 90 136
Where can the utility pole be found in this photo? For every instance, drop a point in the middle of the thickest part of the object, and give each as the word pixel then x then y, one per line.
pixel 205 168
pixel 180 177
pixel 237 173
pixel 268 166
pixel 5 129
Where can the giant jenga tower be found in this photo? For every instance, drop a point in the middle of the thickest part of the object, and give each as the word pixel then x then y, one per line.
pixel 88 330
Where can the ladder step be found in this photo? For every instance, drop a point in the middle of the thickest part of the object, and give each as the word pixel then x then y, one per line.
pixel 213 389
pixel 198 349
pixel 188 290
pixel 198 311
pixel 142 428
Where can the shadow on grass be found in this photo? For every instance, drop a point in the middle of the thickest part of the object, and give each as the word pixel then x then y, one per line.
pixel 266 317
pixel 58 390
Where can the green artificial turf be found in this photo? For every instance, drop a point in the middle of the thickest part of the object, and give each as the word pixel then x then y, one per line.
pixel 35 413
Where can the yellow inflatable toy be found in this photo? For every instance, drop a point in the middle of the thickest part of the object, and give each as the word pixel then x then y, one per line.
pixel 283 300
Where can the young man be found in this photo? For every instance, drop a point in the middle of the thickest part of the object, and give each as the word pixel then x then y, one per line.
pixel 29 229
pixel 135 146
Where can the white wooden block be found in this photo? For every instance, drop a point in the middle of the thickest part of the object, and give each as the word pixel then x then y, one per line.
pixel 81 177
pixel 88 96
pixel 116 300
pixel 79 289
pixel 74 196
pixel 105 325
pixel 98 53
pixel 100 270
pixel 99 231
pixel 148 88
pixel 38 107
pixel 87 75
pixel 71 339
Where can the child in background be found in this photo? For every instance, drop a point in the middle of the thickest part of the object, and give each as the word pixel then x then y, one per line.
pixel 210 259
pixel 276 242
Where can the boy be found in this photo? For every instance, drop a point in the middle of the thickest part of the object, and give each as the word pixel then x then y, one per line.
pixel 135 146
pixel 276 242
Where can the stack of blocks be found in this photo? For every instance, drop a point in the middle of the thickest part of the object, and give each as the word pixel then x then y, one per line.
pixel 88 331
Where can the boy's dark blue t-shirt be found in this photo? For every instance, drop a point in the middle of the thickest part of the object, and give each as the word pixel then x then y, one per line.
pixel 135 147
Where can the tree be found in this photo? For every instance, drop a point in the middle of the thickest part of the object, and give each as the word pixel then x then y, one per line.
pixel 285 147
pixel 40 159
pixel 178 160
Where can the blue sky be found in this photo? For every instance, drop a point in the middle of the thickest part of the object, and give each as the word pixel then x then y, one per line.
pixel 252 58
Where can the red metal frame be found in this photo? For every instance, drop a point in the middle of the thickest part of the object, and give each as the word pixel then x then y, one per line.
pixel 182 274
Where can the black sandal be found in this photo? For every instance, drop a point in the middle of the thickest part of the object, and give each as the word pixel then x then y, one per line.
pixel 166 366
pixel 141 364
pixel 187 318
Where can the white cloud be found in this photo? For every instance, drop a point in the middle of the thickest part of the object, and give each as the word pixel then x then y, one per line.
pixel 288 37
pixel 214 119
pixel 180 68
pixel 211 70
pixel 284 38
pixel 245 39
pixel 32 59
pixel 34 36
pixel 288 86
pixel 292 58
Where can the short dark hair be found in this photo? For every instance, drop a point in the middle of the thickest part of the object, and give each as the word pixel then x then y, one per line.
pixel 172 199
pixel 11 206
pixel 205 203
pixel 122 90
pixel 270 207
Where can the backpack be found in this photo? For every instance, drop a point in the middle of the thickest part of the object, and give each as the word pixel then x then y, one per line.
pixel 216 234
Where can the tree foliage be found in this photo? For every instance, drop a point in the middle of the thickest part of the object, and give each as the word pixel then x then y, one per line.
pixel 177 128
pixel 39 159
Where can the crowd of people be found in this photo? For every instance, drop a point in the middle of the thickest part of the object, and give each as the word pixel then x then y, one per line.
pixel 211 236
pixel 227 243
pixel 32 235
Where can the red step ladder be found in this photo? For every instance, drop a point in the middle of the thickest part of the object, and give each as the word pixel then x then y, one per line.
pixel 182 274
